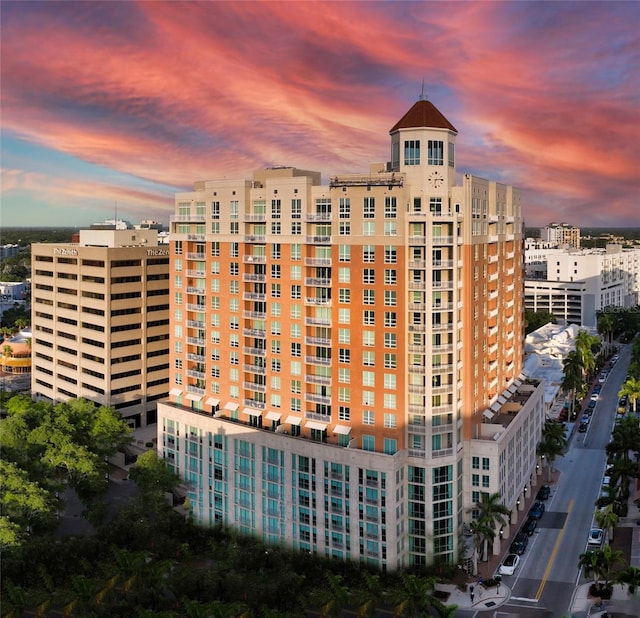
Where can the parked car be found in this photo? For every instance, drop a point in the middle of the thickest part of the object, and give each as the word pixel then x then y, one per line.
pixel 509 564
pixel 603 378
pixel 543 493
pixel 582 428
pixel 519 544
pixel 591 407
pixel 594 397
pixel 585 419
pixel 595 536
pixel 597 389
pixel 537 510
pixel 530 526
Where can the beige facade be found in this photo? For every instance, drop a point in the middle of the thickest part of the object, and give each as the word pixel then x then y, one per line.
pixel 363 329
pixel 100 321
pixel 561 235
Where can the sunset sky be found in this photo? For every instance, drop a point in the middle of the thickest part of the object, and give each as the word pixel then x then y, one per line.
pixel 118 105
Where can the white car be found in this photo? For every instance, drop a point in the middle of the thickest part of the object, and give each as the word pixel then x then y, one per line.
pixel 595 536
pixel 509 564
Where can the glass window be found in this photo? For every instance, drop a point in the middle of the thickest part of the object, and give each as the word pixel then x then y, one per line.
pixel 412 152
pixel 435 154
pixel 368 417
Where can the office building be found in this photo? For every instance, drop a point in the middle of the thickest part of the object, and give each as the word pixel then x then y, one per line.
pixel 347 357
pixel 100 321
pixel 574 285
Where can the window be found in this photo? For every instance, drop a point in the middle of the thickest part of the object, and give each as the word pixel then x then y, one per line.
pixel 276 209
pixel 412 152
pixel 390 401
pixel 344 295
pixel 368 254
pixel 369 297
pixel 390 319
pixel 390 381
pixel 344 355
pixel 345 228
pixel 344 275
pixel 275 251
pixel 389 420
pixel 296 228
pixel 344 335
pixel 276 227
pixel 390 208
pixel 344 394
pixel 368 417
pixel 369 208
pixel 275 290
pixel 234 227
pixel 475 463
pixel 296 208
pixel 368 359
pixel 369 228
pixel 344 375
pixel 296 291
pixel 368 443
pixel 435 155
pixel 390 340
pixel 275 271
pixel 368 338
pixel 345 208
pixel 344 413
pixel 296 252
pixel 390 228
pixel 452 158
pixel 485 463
pixel 369 276
pixel 390 361
pixel 344 253
pixel 368 378
pixel 344 316
pixel 369 317
pixel 390 298
pixel 390 446
pixel 390 254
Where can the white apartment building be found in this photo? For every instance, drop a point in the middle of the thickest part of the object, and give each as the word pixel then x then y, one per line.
pixel 346 359
pixel 100 321
pixel 561 235
pixel 575 284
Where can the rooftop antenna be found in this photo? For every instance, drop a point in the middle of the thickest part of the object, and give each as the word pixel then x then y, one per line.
pixel 423 97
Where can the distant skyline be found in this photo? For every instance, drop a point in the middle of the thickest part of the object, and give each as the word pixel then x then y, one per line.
pixel 113 107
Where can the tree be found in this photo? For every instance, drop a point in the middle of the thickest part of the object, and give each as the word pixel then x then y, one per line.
pixel 606 325
pixel 573 380
pixel 607 520
pixel 483 533
pixel 153 474
pixel 415 598
pixel 552 445
pixel 585 344
pixel 631 577
pixel 536 319
pixel 631 388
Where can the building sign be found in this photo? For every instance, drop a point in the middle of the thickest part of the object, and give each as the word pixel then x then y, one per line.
pixel 59 251
pixel 157 252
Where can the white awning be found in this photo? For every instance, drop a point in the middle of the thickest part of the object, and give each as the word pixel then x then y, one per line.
pixel 342 429
pixel 495 406
pixel 512 388
pixel 194 397
pixel 252 412
pixel 488 414
pixel 175 392
pixel 293 420
pixel 273 416
pixel 212 401
pixel 502 399
pixel 231 405
pixel 314 425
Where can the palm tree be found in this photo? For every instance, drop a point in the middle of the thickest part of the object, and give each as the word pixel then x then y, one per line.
pixel 552 445
pixel 585 344
pixel 492 509
pixel 415 596
pixel 606 325
pixel 483 532
pixel 607 519
pixel 591 561
pixel 631 577
pixel 573 380
pixel 631 388
pixel 625 438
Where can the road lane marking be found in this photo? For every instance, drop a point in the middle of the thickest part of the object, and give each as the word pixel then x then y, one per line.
pixel 556 547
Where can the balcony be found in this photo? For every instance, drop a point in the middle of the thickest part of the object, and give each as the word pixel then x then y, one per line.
pixel 317 282
pixel 255 238
pixel 254 332
pixel 197 358
pixel 201 341
pixel 254 315
pixel 198 291
pixel 317 360
pixel 444 452
pixel 417 328
pixel 196 390
pixel 417 264
pixel 254 351
pixel 318 240
pixel 197 237
pixel 254 259
pixel 445 326
pixel 196 324
pixel 442 285
pixel 418 390
pixel 443 240
pixel 313 379
pixel 419 369
pixel 188 218
pixel 193 307
pixel 321 341
pixel 313 398
pixel 196 273
pixel 254 217
pixel 416 409
pixel 201 257
pixel 317 216
pixel 442 369
pixel 252 386
pixel 415 428
pixel 322 302
pixel 192 373
pixel 419 453
pixel 254 278
pixel 317 322
pixel 442 263
pixel 254 296
pixel 417 285
pixel 442 428
pixel 417 349
pixel 417 240
pixel 257 369
pixel 317 262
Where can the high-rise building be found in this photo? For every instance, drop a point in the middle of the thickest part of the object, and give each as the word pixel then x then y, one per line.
pixel 561 235
pixel 346 358
pixel 100 321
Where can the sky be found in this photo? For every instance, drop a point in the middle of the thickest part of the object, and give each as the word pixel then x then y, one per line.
pixel 110 108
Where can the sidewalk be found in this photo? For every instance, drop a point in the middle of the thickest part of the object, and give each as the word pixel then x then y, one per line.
pixel 483 598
